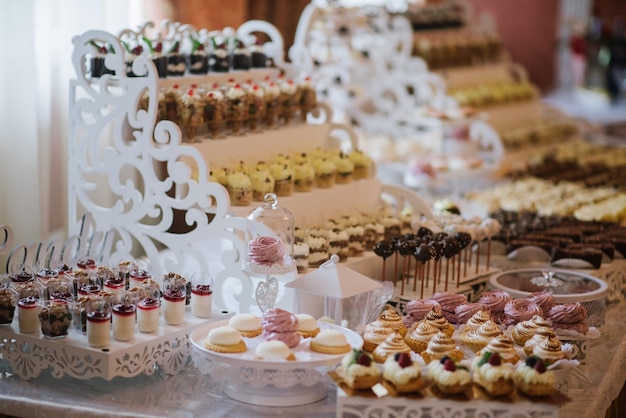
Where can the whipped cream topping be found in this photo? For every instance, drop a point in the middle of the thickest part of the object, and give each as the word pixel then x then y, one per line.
pixel 225 335
pixel 331 338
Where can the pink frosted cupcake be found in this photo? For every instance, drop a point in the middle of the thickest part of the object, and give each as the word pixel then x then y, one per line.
pixel 266 251
pixel 495 300
pixel 449 302
pixel 544 299
pixel 465 311
pixel 417 309
pixel 278 324
pixel 571 317
pixel 518 310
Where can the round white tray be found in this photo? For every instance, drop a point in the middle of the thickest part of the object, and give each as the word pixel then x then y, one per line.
pixel 274 383
pixel 305 358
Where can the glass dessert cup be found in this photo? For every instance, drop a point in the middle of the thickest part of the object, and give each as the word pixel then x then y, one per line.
pixel 7 305
pixel 98 313
pixel 124 314
pixel 201 294
pixel 28 306
pixel 19 274
pixel 60 289
pixel 138 271
pixel 148 304
pixel 174 299
pixel 87 283
pixel 55 318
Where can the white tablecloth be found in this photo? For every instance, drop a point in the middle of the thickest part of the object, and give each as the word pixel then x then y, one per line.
pixel 191 394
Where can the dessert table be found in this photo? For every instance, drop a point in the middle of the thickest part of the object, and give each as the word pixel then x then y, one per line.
pixel 193 394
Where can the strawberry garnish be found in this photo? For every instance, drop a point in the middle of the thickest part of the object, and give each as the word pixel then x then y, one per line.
pixel 364 360
pixel 540 366
pixel 495 359
pixel 404 360
pixel 449 365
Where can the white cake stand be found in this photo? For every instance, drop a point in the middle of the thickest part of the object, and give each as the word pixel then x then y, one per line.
pixel 274 383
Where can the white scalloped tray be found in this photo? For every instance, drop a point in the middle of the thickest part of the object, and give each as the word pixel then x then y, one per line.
pixel 305 358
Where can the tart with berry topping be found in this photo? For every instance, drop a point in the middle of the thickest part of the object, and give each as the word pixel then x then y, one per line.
pixel 533 378
pixel 494 375
pixel 402 373
pixel 449 377
pixel 358 370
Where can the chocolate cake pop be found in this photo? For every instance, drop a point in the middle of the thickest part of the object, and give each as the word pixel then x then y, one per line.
pixel 422 255
pixel 405 249
pixel 384 249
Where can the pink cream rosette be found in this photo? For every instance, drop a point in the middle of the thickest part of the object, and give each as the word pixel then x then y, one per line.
pixel 266 251
pixel 417 309
pixel 449 302
pixel 495 300
pixel 571 316
pixel 518 310
pixel 281 325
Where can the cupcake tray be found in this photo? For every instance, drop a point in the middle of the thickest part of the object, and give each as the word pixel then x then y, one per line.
pixel 168 351
pixel 269 383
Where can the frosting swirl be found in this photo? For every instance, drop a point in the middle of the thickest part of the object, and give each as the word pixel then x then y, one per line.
pixel 504 346
pixel 424 331
pixel 549 350
pixel 449 302
pixel 495 300
pixel 480 317
pixel 544 299
pixel 391 345
pixel 465 311
pixel 440 345
pixel 567 313
pixel 281 325
pixel 266 251
pixel 417 309
pixel 518 310
pixel 525 330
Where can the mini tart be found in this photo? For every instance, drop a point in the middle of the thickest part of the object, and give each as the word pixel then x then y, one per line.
pixel 273 350
pixel 330 341
pixel 392 345
pixel 441 345
pixel 541 334
pixel 504 346
pixel 450 382
pixel 377 331
pixel 533 379
pixel 225 339
pixel 525 330
pixel 479 318
pixel 404 375
pixel 358 370
pixel 307 325
pixel 248 325
pixel 478 339
pixel 436 318
pixel 549 350
pixel 495 378
pixel 420 336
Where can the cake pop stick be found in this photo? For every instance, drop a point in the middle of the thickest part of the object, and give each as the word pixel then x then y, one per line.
pixel 384 249
pixel 422 255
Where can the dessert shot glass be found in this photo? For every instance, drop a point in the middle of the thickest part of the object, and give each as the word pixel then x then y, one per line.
pixel 98 322
pixel 201 294
pixel 55 318
pixel 20 273
pixel 8 300
pixel 79 314
pixel 60 288
pixel 28 307
pixel 173 302
pixel 148 306
pixel 86 283
pixel 138 271
pixel 124 315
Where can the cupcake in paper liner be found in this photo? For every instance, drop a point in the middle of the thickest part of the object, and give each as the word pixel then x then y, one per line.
pixel 262 183
pixel 304 177
pixel 362 164
pixel 283 179
pixel 325 170
pixel 239 189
